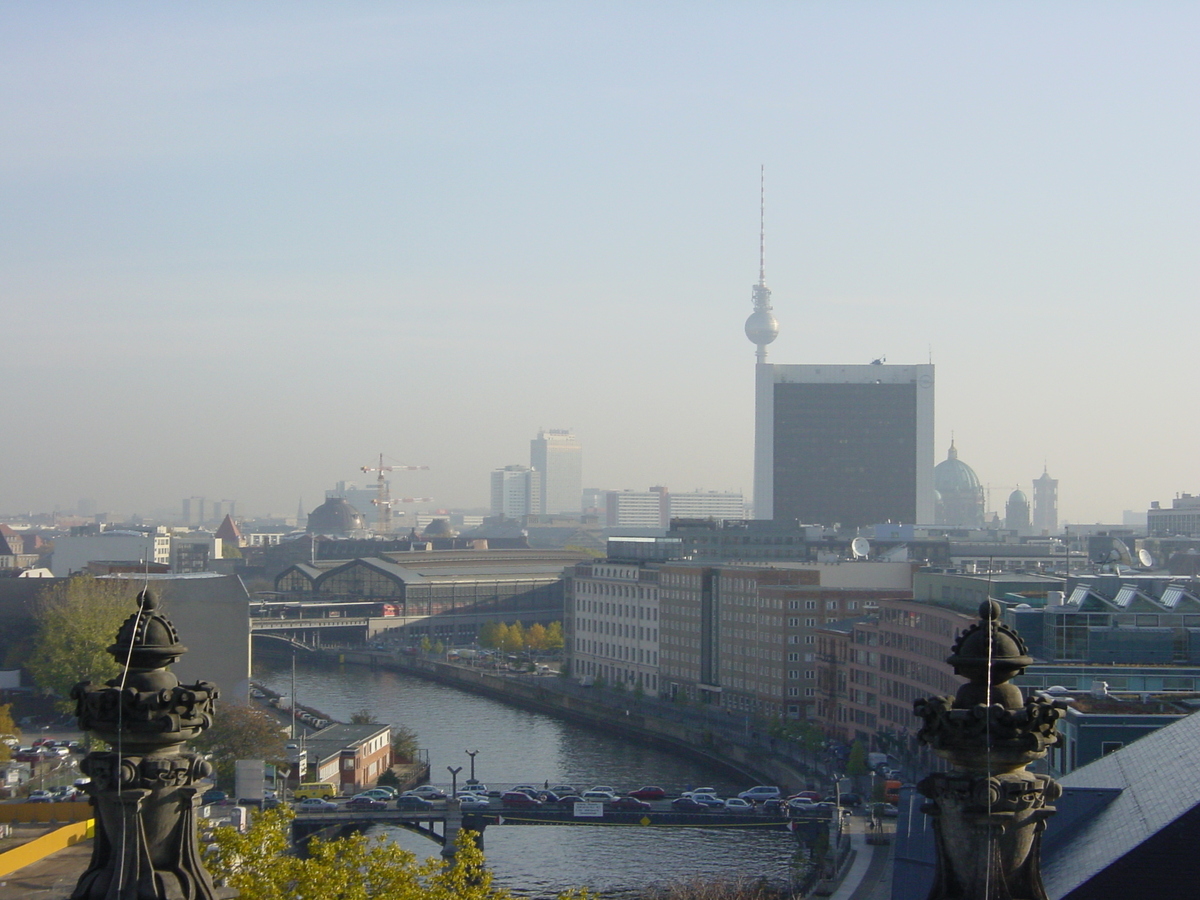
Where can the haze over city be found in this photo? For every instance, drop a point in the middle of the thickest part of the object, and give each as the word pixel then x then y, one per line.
pixel 248 248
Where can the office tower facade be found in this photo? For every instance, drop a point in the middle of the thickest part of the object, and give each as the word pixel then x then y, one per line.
pixel 851 445
pixel 516 492
pixel 719 505
pixel 1045 503
pixel 637 509
pixel 557 456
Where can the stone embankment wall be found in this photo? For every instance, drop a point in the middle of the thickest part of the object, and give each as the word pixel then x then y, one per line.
pixel 537 695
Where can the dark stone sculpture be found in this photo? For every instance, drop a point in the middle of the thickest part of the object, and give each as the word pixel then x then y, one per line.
pixel 144 789
pixel 989 812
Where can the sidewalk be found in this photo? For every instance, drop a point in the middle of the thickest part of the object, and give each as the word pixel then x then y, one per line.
pixel 870 875
pixel 52 878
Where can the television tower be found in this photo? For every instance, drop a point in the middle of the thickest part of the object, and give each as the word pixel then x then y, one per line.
pixel 761 327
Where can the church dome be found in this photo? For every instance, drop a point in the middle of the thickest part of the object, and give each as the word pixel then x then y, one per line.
pixel 1018 496
pixel 953 476
pixel 335 516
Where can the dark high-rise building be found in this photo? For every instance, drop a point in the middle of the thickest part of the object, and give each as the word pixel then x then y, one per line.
pixel 844 444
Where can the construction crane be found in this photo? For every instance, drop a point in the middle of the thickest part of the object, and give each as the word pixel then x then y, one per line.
pixel 383 501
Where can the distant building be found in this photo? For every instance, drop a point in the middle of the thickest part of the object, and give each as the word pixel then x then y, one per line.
pixel 718 505
pixel 352 757
pixel 516 491
pixel 959 500
pixel 637 509
pixel 1016 511
pixel 338 518
pixel 195 511
pixel 851 445
pixel 1045 504
pixel 557 456
pixel 73 553
pixel 1183 518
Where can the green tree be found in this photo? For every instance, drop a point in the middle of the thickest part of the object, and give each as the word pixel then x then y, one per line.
pixel 362 716
pixel 241 732
pixel 856 763
pixel 404 744
pixel 76 621
pixel 554 636
pixel 357 867
pixel 426 644
pixel 489 635
pixel 8 729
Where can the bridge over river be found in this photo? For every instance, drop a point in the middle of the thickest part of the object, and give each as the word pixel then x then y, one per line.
pixel 443 824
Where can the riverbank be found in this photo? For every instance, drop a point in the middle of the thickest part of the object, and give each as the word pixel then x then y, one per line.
pixel 717 738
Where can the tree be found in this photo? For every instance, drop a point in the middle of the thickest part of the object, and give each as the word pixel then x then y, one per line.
pixel 488 635
pixel 856 764
pixel 514 638
pixel 554 636
pixel 535 637
pixel 357 867
pixel 8 728
pixel 241 732
pixel 362 716
pixel 76 621
pixel 404 744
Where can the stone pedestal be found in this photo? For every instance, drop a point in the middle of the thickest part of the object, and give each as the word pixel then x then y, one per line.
pixel 144 788
pixel 989 812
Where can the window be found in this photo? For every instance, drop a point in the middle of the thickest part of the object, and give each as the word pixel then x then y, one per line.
pixel 810 639
pixel 793 622
pixel 810 623
pixel 810 604
pixel 793 657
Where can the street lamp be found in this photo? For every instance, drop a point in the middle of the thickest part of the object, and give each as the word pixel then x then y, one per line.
pixel 454 770
pixel 472 779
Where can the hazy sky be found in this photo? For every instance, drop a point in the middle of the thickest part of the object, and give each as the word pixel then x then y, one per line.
pixel 246 247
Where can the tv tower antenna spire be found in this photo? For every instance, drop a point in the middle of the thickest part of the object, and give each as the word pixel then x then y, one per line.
pixel 761 327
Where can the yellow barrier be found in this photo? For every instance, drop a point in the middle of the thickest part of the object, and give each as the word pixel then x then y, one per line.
pixel 40 848
pixel 45 812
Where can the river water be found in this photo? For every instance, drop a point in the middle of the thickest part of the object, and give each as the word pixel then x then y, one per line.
pixel 516 746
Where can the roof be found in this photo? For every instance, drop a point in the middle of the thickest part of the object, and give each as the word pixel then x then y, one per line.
pixel 1149 788
pixel 333 739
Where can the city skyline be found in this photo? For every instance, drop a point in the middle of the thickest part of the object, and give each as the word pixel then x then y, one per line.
pixel 246 279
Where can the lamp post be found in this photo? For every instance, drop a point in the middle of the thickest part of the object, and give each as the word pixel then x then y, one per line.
pixel 454 770
pixel 472 779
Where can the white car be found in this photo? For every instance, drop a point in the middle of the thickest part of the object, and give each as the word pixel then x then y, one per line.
pixel 600 796
pixel 473 801
pixel 480 789
pixel 761 792
pixel 738 805
pixel 426 792
pixel 607 788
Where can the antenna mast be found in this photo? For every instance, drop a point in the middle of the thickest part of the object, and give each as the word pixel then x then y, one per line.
pixel 762 226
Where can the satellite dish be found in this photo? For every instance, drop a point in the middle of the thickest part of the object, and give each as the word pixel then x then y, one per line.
pixel 1146 558
pixel 860 547
pixel 1120 553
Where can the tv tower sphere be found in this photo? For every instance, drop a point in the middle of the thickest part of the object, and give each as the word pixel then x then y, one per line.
pixel 762 327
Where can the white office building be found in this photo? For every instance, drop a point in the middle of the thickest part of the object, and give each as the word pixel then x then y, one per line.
pixel 557 456
pixel 612 623
pixel 516 492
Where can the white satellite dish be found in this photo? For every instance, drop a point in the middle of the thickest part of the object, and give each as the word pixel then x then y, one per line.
pixel 1146 558
pixel 1120 553
pixel 860 547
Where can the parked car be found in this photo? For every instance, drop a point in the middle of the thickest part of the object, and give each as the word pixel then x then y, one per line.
pixel 599 797
pixel 569 800
pixel 377 794
pixel 519 799
pixel 761 792
pixel 473 801
pixel 712 801
pixel 773 807
pixel 314 804
pixel 738 805
pixel 480 789
pixel 40 797
pixel 687 804
pixel 212 795
pixel 630 804
pixel 563 789
pixel 362 802
pixel 413 803
pixel 606 787
pixel 547 796
pixel 392 793
pixel 806 795
pixel 649 792
pixel 530 789
pixel 428 791
pixel 798 805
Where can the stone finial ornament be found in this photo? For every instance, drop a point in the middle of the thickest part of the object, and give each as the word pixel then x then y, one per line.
pixel 144 789
pixel 989 812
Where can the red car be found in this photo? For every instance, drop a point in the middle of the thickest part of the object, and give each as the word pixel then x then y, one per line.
pixel 630 804
pixel 649 793
pixel 519 798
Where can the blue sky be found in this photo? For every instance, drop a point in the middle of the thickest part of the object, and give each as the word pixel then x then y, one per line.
pixel 244 248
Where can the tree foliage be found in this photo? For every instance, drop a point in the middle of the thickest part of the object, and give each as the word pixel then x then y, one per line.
pixel 8 728
pixel 241 732
pixel 76 621
pixel 357 867
pixel 404 744
pixel 554 636
pixel 514 638
pixel 535 637
pixel 489 636
pixel 856 764
pixel 363 716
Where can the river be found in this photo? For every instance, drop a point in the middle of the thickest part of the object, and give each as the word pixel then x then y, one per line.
pixel 516 746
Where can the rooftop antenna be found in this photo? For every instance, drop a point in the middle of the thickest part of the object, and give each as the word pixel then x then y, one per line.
pixel 762 226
